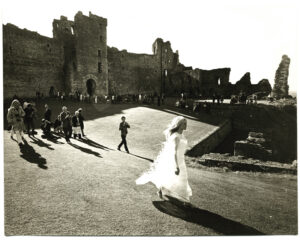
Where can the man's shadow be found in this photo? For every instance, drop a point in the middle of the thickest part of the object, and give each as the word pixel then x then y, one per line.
pixel 30 155
pixel 86 150
pixel 40 143
pixel 94 144
pixel 204 218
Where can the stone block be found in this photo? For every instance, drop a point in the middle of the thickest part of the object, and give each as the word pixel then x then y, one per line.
pixel 252 150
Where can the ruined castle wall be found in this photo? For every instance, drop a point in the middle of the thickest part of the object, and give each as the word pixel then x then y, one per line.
pixel 131 73
pixel 31 63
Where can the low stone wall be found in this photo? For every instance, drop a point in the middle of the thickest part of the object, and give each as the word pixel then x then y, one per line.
pixel 211 140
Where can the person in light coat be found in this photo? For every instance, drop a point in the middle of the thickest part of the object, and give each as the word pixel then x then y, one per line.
pixel 15 119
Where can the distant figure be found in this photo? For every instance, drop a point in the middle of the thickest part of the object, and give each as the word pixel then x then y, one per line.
pixel 76 126
pixel 96 99
pixel 123 128
pixel 65 117
pixel 214 98
pixel 113 98
pixel 140 98
pixel 81 120
pixel 28 119
pixel 81 97
pixel 255 98
pixel 168 171
pixel 14 118
pixel 158 100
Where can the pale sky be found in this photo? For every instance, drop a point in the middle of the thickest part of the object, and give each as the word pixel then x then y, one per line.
pixel 247 36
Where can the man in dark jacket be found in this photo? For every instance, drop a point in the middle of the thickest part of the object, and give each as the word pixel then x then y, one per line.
pixel 46 122
pixel 123 128
pixel 65 117
pixel 81 119
pixel 28 118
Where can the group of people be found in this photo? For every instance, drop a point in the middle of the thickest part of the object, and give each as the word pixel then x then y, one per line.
pixel 70 123
pixel 22 119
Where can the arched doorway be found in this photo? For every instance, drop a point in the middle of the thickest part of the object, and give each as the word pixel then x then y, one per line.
pixel 90 86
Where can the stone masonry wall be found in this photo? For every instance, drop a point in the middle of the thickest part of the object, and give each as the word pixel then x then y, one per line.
pixel 31 63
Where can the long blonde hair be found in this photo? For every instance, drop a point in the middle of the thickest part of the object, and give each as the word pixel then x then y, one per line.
pixel 174 126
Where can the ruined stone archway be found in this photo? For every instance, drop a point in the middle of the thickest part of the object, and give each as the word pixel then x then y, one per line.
pixel 90 86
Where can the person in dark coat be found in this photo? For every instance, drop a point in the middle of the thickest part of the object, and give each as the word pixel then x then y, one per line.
pixel 123 128
pixel 65 117
pixel 47 114
pixel 76 125
pixel 81 119
pixel 57 125
pixel 46 121
pixel 28 118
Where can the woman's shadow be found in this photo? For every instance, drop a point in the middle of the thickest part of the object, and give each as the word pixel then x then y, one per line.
pixel 204 218
pixel 30 155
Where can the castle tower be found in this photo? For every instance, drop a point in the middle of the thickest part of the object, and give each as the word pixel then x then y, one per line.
pixel 63 31
pixel 91 52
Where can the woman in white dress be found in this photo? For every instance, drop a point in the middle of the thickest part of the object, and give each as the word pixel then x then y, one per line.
pixel 168 172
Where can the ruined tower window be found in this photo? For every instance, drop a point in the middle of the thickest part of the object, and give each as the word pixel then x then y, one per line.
pixel 99 53
pixel 99 67
pixel 72 30
pixel 48 45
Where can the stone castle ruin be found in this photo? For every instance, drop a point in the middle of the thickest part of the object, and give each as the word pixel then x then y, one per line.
pixel 281 87
pixel 78 58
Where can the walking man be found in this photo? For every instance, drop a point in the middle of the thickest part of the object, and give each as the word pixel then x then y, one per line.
pixel 123 128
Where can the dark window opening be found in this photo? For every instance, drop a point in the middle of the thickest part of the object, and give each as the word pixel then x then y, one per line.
pixel 99 53
pixel 99 67
pixel 66 29
pixel 10 49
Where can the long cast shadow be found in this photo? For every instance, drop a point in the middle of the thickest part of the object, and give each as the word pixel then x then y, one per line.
pixel 40 143
pixel 52 138
pixel 94 144
pixel 30 155
pixel 205 218
pixel 148 159
pixel 86 150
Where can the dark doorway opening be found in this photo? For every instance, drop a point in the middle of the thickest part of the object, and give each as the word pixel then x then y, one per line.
pixel 90 87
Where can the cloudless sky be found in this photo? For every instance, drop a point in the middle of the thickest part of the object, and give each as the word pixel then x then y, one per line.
pixel 247 36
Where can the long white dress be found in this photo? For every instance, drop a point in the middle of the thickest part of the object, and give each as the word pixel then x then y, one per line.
pixel 162 171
